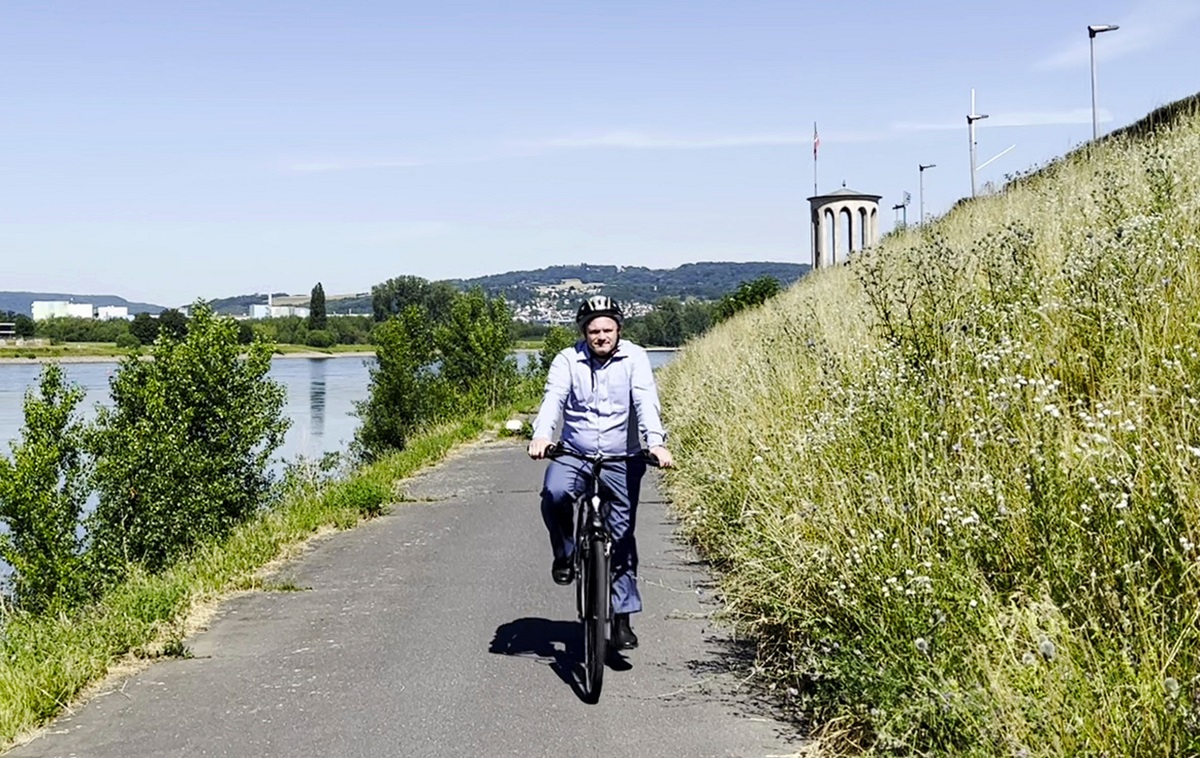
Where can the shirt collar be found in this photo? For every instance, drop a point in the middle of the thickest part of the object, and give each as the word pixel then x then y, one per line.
pixel 583 354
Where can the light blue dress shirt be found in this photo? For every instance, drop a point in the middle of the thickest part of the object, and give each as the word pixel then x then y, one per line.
pixel 605 405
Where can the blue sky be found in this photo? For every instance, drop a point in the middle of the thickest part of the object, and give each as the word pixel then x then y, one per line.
pixel 165 151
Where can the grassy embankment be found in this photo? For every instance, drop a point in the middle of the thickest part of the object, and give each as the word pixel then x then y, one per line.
pixel 45 662
pixel 953 487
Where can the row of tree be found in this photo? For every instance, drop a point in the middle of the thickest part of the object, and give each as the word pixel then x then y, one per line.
pixel 179 456
pixel 672 323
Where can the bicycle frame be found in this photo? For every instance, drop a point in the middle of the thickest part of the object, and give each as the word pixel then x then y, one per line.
pixel 593 593
pixel 591 512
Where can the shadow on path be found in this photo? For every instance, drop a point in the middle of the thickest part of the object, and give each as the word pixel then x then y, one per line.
pixel 557 643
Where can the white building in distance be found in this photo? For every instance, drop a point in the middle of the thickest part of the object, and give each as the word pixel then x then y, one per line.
pixel 107 312
pixel 277 311
pixel 44 309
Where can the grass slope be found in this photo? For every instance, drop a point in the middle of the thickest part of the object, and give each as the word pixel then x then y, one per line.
pixel 953 486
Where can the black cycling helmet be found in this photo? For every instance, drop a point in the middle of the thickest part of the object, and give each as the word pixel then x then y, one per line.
pixel 598 305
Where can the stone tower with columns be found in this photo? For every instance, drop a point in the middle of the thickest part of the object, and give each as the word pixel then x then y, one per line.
pixel 843 222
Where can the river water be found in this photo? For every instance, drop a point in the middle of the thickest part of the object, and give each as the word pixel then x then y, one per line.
pixel 321 393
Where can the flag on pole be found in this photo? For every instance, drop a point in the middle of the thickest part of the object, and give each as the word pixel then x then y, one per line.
pixel 816 141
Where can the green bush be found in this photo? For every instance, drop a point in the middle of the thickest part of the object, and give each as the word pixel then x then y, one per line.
pixel 321 338
pixel 557 339
pixel 747 295
pixel 42 491
pixel 364 494
pixel 182 455
pixel 144 327
pixel 475 344
pixel 405 389
pixel 428 370
pixel 127 342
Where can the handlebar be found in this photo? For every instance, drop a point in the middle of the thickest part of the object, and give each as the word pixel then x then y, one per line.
pixel 557 450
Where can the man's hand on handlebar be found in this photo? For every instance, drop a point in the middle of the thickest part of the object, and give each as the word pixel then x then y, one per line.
pixel 663 456
pixel 538 448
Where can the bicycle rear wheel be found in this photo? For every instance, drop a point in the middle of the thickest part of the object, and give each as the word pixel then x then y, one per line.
pixel 597 592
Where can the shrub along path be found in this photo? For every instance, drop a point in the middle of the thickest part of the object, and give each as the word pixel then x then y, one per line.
pixel 436 631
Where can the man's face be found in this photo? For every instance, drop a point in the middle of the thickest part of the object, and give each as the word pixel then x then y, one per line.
pixel 601 334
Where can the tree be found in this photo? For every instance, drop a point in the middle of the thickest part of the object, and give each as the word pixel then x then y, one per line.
pixel 696 318
pixel 173 323
pixel 144 327
pixel 320 338
pixel 747 295
pixel 23 325
pixel 395 295
pixel 183 453
pixel 475 344
pixel 316 309
pixel 405 389
pixel 558 338
pixel 42 492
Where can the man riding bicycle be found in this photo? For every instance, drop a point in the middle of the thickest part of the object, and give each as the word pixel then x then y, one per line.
pixel 604 388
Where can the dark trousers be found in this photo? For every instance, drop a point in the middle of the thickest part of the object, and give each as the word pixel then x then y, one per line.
pixel 620 485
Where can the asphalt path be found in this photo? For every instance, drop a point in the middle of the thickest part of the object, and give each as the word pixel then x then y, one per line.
pixel 436 631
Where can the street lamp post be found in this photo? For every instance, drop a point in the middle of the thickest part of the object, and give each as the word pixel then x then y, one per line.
pixel 1093 30
pixel 902 206
pixel 921 172
pixel 972 117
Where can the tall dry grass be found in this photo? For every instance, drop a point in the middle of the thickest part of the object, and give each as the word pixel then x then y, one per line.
pixel 952 486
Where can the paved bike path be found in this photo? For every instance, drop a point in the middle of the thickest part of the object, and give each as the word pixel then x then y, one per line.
pixel 436 631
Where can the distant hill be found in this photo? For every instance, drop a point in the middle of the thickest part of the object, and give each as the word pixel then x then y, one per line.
pixel 706 281
pixel 239 305
pixel 631 284
pixel 22 302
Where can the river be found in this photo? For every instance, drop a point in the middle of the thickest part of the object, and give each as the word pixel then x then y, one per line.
pixel 321 393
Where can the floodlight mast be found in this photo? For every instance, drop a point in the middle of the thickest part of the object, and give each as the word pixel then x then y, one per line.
pixel 972 117
pixel 1093 30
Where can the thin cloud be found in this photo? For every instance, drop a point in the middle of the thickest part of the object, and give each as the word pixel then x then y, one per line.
pixel 1018 118
pixel 1146 25
pixel 323 167
pixel 631 140
pixel 614 140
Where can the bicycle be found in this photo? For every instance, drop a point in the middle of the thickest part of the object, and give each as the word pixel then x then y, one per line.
pixel 593 577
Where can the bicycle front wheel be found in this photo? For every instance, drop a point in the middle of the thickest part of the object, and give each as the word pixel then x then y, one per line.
pixel 597 590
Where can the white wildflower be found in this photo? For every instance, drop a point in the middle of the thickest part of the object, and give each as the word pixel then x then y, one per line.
pixel 1046 648
pixel 1171 685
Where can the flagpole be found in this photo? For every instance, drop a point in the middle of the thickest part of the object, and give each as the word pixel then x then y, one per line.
pixel 815 226
pixel 816 142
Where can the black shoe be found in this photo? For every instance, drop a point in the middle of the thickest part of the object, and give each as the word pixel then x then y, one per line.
pixel 563 571
pixel 623 637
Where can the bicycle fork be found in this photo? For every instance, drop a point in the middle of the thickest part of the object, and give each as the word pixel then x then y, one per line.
pixel 592 526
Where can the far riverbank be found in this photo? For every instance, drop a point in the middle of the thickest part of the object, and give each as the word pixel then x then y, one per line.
pixel 85 353
pixel 112 358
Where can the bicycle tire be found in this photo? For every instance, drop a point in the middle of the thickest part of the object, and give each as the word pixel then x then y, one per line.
pixel 596 617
